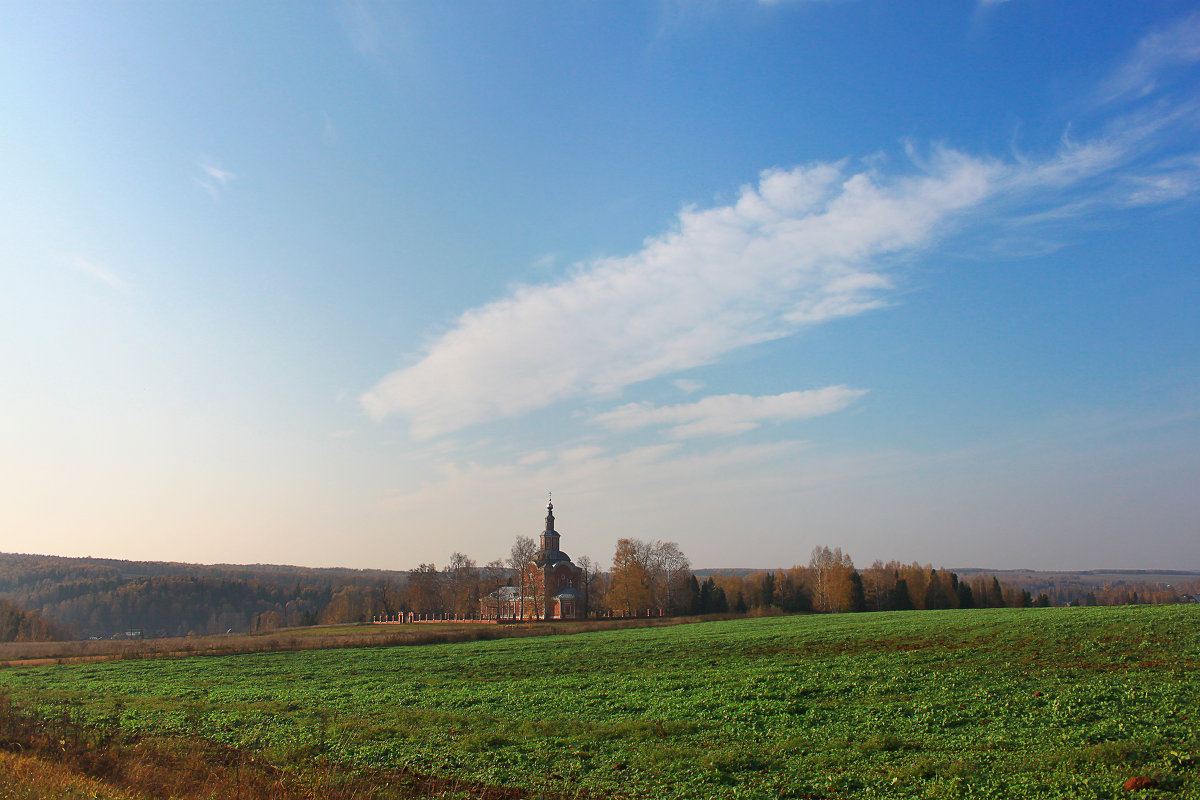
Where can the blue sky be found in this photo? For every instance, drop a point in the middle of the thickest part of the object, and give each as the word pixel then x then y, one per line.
pixel 357 284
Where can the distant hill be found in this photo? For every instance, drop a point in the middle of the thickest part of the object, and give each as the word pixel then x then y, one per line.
pixel 1087 575
pixel 137 569
pixel 742 571
pixel 105 596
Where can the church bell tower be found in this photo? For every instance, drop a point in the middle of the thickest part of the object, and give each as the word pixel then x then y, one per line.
pixel 549 536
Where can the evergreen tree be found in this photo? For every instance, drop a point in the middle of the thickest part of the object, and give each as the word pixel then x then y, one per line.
pixel 996 595
pixel 707 599
pixel 858 596
pixel 766 591
pixel 693 604
pixel 720 603
pixel 966 598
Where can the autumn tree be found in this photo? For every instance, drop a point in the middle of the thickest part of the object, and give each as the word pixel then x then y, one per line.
pixel 18 624
pixel 762 593
pixel 346 605
pixel 836 584
pixel 629 581
pixel 649 575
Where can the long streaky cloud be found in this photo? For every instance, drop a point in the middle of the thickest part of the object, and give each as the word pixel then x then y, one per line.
pixel 800 247
pixel 803 246
pixel 729 414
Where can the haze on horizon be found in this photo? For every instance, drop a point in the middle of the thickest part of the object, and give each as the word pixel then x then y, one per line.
pixel 356 284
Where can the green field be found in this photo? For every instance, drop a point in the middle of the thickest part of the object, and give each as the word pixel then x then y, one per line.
pixel 998 703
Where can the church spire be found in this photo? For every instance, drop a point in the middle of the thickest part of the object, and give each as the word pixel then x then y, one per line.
pixel 550 536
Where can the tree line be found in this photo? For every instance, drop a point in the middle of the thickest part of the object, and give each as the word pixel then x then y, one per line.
pixel 54 597
pixel 830 583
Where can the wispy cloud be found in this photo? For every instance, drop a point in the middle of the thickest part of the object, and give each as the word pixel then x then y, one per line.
pixel 98 272
pixel 361 29
pixel 212 178
pixel 1177 45
pixel 800 247
pixel 730 414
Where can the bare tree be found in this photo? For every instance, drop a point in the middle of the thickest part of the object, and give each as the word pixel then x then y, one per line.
pixel 424 588
pixel 591 573
pixel 671 569
pixel 461 584
pixel 524 550
pixel 493 575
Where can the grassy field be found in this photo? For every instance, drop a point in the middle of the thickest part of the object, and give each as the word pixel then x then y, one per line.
pixel 1001 703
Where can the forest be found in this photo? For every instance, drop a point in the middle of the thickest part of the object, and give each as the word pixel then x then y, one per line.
pixel 52 597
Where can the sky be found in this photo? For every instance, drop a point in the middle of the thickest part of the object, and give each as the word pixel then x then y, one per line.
pixel 357 284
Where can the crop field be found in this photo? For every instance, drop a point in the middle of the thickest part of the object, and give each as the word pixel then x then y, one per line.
pixel 1004 703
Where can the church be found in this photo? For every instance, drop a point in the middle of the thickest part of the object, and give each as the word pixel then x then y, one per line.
pixel 548 587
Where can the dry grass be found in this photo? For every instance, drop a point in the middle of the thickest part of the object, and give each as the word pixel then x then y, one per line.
pixel 317 637
pixel 26 777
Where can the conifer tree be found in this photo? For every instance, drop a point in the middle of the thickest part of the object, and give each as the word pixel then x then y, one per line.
pixel 720 601
pixel 693 600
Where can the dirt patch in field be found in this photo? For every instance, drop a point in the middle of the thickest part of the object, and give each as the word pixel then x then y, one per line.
pixel 1140 782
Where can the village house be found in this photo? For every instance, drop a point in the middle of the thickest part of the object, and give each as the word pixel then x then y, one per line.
pixel 548 587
